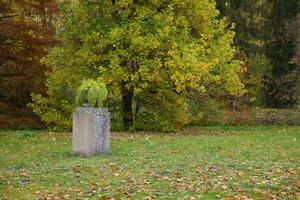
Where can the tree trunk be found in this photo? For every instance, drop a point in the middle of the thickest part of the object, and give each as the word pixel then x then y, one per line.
pixel 138 104
pixel 127 98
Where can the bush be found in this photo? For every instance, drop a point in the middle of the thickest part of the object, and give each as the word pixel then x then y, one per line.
pixel 55 114
pixel 165 111
pixel 260 116
pixel 55 109
pixel 206 111
pixel 276 116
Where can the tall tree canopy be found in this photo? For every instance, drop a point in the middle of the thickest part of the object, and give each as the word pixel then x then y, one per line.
pixel 26 30
pixel 140 49
pixel 268 37
pixel 281 48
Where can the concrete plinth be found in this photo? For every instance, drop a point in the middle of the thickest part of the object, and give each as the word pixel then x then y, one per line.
pixel 91 131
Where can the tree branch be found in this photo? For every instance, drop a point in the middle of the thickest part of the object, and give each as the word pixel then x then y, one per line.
pixel 8 16
pixel 163 5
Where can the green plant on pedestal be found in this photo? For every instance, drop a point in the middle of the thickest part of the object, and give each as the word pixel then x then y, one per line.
pixel 91 94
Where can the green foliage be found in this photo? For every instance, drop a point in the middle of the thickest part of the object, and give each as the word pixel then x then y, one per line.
pixel 258 67
pixel 55 109
pixel 143 50
pixel 165 111
pixel 114 104
pixel 206 111
pixel 92 93
pixel 55 114
pixel 281 48
pixel 268 34
pixel 248 16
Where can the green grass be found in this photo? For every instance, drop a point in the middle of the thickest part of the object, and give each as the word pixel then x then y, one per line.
pixel 197 163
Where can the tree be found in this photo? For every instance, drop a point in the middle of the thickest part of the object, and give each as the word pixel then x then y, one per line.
pixel 281 48
pixel 143 49
pixel 26 30
pixel 268 38
pixel 249 17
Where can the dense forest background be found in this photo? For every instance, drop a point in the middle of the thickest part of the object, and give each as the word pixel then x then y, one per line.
pixel 267 39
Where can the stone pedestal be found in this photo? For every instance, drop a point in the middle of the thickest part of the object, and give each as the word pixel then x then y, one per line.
pixel 91 131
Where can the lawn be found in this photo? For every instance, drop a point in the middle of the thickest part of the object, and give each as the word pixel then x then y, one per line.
pixel 196 163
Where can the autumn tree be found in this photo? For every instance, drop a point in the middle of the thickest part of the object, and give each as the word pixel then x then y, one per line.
pixel 26 31
pixel 142 50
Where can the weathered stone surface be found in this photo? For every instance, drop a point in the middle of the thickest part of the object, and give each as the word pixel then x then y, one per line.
pixel 91 131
